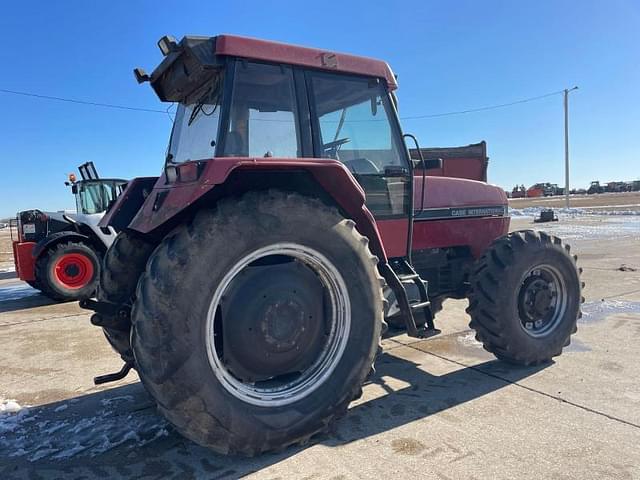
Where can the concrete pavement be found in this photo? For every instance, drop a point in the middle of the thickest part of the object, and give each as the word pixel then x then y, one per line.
pixel 437 408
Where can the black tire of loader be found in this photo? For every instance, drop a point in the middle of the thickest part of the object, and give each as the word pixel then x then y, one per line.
pixel 34 284
pixel 493 303
pixel 50 286
pixel 173 298
pixel 123 264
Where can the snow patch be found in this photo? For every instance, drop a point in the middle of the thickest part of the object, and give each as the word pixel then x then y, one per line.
pixel 469 340
pixel 607 210
pixel 594 227
pixel 61 433
pixel 9 406
pixel 599 310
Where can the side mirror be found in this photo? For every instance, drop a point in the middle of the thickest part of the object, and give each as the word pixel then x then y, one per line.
pixel 433 163
pixel 74 189
pixel 428 164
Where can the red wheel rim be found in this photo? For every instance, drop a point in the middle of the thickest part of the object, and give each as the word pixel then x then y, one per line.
pixel 73 270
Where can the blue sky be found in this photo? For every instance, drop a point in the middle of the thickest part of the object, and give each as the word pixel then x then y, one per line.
pixel 449 55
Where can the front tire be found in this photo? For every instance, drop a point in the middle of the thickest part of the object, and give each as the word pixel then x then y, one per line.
pixel 525 297
pixel 245 362
pixel 68 271
pixel 123 264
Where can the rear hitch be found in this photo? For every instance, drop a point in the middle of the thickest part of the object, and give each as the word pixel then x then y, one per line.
pixel 113 377
pixel 108 315
pixel 105 308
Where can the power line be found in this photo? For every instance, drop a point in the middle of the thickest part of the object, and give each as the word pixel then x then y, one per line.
pixel 481 109
pixel 81 102
pixel 166 111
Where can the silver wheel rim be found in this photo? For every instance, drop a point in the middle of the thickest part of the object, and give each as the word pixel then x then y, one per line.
pixel 332 351
pixel 556 284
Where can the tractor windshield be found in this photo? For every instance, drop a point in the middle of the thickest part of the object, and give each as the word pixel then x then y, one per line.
pixel 96 196
pixel 195 127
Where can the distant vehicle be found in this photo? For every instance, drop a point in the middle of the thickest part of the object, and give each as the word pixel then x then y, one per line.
pixel 616 187
pixel 545 189
pixel 536 190
pixel 3 225
pixel 595 187
pixel 519 192
pixel 60 253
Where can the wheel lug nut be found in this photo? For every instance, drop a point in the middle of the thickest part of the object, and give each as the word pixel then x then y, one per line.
pixel 528 325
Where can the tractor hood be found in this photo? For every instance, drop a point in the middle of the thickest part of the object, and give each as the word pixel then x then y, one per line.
pixel 459 193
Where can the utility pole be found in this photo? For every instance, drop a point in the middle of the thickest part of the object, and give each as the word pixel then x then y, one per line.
pixel 566 144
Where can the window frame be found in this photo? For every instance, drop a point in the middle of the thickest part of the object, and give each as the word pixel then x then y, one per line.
pixel 389 108
pixel 300 102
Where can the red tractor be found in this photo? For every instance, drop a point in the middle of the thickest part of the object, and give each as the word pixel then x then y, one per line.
pixel 251 281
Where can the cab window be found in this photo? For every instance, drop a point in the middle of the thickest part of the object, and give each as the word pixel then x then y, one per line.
pixel 354 124
pixel 263 116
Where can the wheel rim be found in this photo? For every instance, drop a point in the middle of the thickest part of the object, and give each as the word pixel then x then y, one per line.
pixel 542 300
pixel 73 270
pixel 285 389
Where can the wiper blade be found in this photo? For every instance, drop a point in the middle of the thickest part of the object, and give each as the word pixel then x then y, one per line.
pixel 211 93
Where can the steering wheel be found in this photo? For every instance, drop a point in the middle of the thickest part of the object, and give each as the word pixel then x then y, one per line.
pixel 332 147
pixel 361 165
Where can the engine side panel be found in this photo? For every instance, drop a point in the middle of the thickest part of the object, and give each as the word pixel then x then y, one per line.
pixel 477 233
pixel 445 192
pixel 458 213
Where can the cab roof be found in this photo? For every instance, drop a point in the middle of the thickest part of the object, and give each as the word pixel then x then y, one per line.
pixel 277 52
pixel 188 64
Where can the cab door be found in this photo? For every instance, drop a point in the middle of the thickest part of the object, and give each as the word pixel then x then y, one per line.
pixel 354 121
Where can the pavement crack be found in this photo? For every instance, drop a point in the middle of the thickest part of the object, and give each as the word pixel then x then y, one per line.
pixel 530 389
pixel 37 320
pixel 623 294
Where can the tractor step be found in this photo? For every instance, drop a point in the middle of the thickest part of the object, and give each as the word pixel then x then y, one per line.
pixel 397 275
pixel 419 305
pixel 428 332
pixel 409 278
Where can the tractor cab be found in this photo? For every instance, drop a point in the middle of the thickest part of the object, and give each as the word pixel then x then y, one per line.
pixel 94 195
pixel 241 98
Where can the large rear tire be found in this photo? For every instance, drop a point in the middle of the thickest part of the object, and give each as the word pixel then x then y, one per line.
pixel 68 271
pixel 226 334
pixel 525 297
pixel 123 264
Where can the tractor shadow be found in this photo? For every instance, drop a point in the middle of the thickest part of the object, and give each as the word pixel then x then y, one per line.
pixel 20 296
pixel 118 432
pixel 8 275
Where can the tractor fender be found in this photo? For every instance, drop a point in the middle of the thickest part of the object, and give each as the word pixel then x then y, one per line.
pixel 56 238
pixel 202 182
